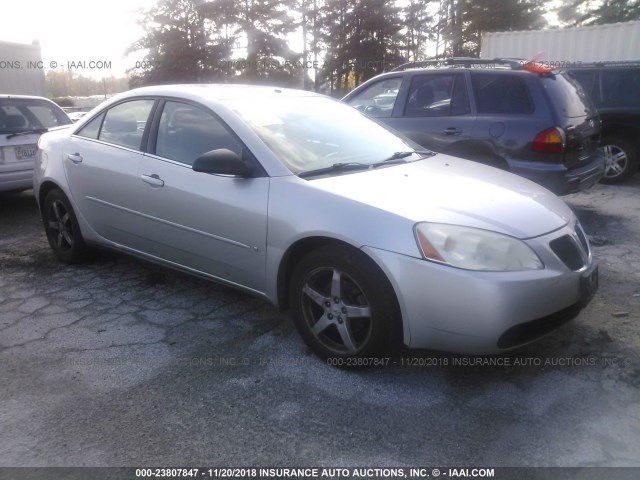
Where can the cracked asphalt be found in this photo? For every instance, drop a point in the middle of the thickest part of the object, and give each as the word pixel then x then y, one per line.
pixel 120 363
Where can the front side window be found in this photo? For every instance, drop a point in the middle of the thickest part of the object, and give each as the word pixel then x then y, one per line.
pixel 186 132
pixel 499 93
pixel 378 100
pixel 124 124
pixel 437 95
pixel 21 115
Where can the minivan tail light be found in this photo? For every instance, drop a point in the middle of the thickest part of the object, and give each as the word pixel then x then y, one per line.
pixel 550 141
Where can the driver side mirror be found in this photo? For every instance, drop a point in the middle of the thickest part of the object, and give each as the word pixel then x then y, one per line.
pixel 222 161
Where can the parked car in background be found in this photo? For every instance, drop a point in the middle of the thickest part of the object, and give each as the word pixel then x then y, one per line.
pixel 615 91
pixel 22 120
pixel 305 202
pixel 536 124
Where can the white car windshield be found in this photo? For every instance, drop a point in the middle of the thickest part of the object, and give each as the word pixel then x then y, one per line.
pixel 312 133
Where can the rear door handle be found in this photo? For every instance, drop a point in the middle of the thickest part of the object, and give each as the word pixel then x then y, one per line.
pixel 452 131
pixel 75 157
pixel 153 179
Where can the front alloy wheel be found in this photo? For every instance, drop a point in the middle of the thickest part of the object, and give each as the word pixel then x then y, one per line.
pixel 344 306
pixel 336 310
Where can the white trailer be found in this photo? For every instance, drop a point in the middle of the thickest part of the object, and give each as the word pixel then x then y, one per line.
pixel 614 42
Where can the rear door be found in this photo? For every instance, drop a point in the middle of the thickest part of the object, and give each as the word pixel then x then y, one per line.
pixel 102 162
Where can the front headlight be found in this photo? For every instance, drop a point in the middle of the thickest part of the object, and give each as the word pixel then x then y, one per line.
pixel 474 249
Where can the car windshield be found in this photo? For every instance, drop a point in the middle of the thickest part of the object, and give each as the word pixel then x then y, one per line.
pixel 23 115
pixel 312 133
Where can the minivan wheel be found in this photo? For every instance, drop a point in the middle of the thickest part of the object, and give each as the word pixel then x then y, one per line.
pixel 62 229
pixel 620 159
pixel 344 307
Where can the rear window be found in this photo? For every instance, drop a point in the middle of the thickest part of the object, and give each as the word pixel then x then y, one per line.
pixel 20 115
pixel 499 93
pixel 567 98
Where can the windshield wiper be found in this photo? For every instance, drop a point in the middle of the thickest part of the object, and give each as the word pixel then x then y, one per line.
pixel 26 132
pixel 336 167
pixel 397 156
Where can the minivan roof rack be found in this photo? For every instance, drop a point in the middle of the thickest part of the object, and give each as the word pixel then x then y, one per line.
pixel 513 63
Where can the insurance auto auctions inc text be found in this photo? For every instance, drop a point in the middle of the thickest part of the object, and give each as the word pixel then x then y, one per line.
pixel 371 473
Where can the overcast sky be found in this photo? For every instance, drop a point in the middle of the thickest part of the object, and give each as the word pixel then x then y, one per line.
pixel 76 30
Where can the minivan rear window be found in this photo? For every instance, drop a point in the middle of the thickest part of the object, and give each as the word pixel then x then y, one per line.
pixel 566 97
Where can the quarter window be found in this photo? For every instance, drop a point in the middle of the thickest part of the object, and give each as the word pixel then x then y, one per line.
pixel 186 132
pixel 92 129
pixel 497 93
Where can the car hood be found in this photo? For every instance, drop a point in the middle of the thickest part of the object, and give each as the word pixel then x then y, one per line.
pixel 450 190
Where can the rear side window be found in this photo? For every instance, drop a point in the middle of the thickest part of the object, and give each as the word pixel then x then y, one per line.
pixel 19 115
pixel 124 124
pixel 621 88
pixel 566 98
pixel 437 95
pixel 496 93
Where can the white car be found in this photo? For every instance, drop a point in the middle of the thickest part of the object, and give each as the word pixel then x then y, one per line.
pixel 309 204
pixel 22 120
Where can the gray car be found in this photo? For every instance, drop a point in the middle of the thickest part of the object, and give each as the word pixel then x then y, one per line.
pixel 307 203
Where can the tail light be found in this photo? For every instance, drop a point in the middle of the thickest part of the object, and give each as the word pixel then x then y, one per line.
pixel 551 140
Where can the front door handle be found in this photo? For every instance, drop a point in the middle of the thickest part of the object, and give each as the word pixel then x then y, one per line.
pixel 75 157
pixel 452 131
pixel 153 179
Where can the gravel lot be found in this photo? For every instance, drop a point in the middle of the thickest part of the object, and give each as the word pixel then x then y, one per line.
pixel 121 363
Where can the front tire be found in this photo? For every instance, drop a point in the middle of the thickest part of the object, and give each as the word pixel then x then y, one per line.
pixel 344 307
pixel 62 229
pixel 621 159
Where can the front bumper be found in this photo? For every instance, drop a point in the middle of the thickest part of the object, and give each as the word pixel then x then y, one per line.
pixel 463 311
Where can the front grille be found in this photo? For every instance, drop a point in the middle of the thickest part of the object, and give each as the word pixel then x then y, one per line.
pixel 568 251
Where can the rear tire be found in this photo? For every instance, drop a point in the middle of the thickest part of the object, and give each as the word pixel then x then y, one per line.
pixel 62 229
pixel 621 159
pixel 344 308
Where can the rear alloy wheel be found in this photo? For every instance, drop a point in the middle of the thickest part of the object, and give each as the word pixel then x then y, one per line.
pixel 620 160
pixel 61 227
pixel 344 307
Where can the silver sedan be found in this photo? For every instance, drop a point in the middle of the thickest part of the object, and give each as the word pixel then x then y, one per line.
pixel 371 242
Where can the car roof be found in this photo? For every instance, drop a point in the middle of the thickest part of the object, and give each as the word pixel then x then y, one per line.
pixel 22 97
pixel 213 91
